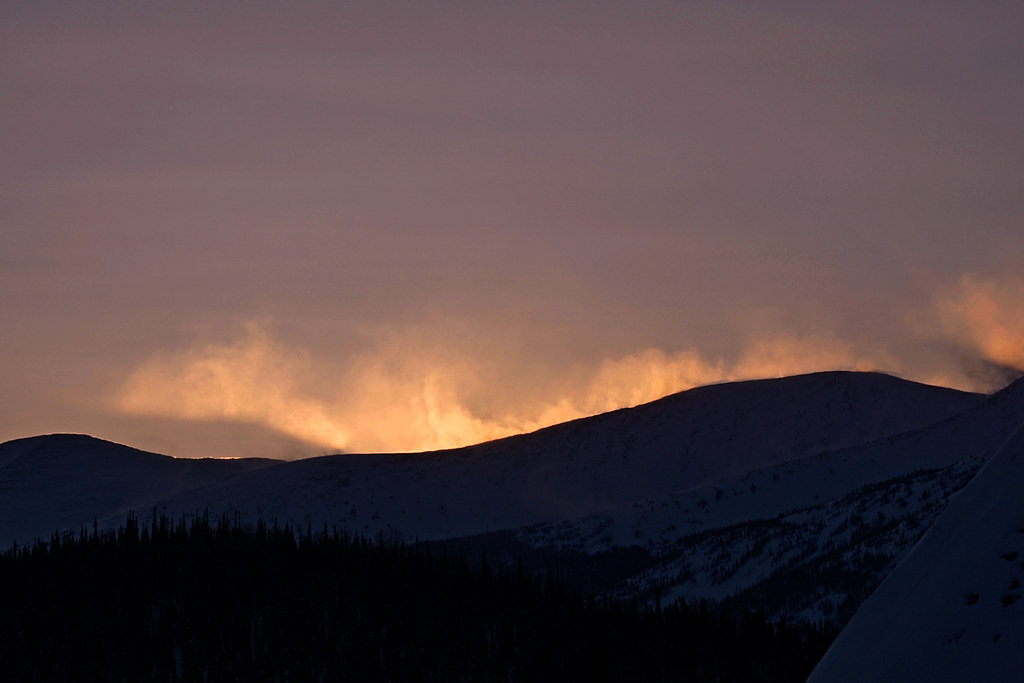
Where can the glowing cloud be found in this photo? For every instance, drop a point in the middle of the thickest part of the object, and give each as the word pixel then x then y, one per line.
pixel 381 405
pixel 401 397
pixel 253 380
pixel 987 315
pixel 646 376
pixel 785 355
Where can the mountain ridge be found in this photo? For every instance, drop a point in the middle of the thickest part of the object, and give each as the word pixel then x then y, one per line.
pixel 609 460
pixel 679 441
pixel 713 493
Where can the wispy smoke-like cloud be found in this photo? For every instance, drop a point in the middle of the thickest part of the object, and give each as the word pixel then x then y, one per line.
pixel 987 315
pixel 385 402
pixel 251 380
pixel 402 397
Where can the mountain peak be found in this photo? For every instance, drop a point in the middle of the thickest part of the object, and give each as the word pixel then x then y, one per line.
pixel 65 447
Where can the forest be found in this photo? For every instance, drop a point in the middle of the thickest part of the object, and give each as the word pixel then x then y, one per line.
pixel 199 599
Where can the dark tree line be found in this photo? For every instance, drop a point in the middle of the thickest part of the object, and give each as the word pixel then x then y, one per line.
pixel 193 600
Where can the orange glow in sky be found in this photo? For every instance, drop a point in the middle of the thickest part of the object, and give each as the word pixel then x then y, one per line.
pixel 988 314
pixel 404 403
pixel 457 221
pixel 398 398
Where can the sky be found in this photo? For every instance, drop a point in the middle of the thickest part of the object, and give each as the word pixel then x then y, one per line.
pixel 291 229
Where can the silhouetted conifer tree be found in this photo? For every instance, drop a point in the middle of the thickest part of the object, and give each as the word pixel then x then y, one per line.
pixel 186 600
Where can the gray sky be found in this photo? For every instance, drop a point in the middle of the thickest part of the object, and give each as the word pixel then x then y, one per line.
pixel 251 228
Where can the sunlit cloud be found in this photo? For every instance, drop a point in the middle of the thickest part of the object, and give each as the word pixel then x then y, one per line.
pixel 987 315
pixel 385 402
pixel 784 355
pixel 401 397
pixel 646 376
pixel 251 380
pixel 653 373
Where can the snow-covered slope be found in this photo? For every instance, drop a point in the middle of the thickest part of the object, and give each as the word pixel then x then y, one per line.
pixel 765 492
pixel 809 537
pixel 951 611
